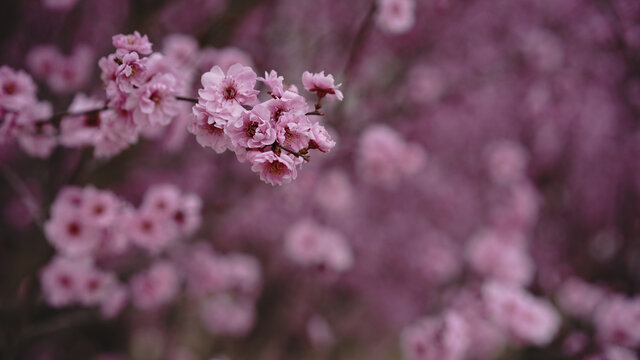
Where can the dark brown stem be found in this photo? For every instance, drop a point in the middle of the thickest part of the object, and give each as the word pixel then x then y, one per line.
pixel 295 153
pixel 361 36
pixel 184 98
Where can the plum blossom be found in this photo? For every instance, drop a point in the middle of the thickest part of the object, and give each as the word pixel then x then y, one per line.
pixel 310 244
pixel 322 85
pixel 274 169
pixel 396 16
pixel 132 42
pixel 527 318
pixel 154 287
pixel 444 337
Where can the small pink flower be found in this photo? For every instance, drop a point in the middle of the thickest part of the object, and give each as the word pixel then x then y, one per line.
pixel 180 48
pixel 208 134
pixel 507 162
pixel 579 298
pixel 81 130
pixel 35 137
pixel 396 16
pixel 526 318
pixel 310 244
pixel 150 231
pixel 320 138
pixel 72 234
pixel 161 201
pixel 334 192
pixel 274 82
pixel 17 89
pixel 274 169
pixel 43 60
pixel 616 321
pixel 500 257
pixel 253 129
pixel 60 281
pixel 293 131
pixel 155 286
pixel 323 85
pixel 94 286
pixel 100 207
pixel 131 73
pixel 385 158
pixel 225 316
pixel 132 42
pixel 445 337
pixel 235 88
pixel 73 72
pixel 155 103
pixel 114 302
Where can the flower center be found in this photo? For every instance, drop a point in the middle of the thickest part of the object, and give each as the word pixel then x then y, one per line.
pixel 230 93
pixel 251 129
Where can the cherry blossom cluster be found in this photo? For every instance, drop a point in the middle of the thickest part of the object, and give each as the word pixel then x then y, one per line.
pixel 88 227
pixel 21 112
pixel 141 88
pixel 274 136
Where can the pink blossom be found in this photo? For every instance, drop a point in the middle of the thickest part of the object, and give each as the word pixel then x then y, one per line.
pixel 35 137
pixel 334 192
pixel 385 158
pixel 132 42
pixel 232 89
pixel 208 134
pixel 118 131
pixel 114 302
pixel 579 298
pixel 100 207
pixel 323 85
pixel 253 129
pixel 72 233
pixel 60 281
pixel 150 231
pixel 274 169
pixel 294 131
pixel 310 244
pixel 94 286
pixel 527 318
pixel 396 16
pixel 17 89
pixel 616 321
pixel 81 130
pixel 445 337
pixel 225 316
pixel 154 287
pixel 507 162
pixel 320 138
pixel 43 60
pixel 319 332
pixel 500 256
pixel 180 48
pixel 73 72
pixel 155 103
pixel 274 82
pixel 131 73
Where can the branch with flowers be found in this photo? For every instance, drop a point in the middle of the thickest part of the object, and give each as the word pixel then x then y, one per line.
pixel 143 94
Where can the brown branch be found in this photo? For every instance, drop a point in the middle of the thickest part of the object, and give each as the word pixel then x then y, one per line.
pixel 295 153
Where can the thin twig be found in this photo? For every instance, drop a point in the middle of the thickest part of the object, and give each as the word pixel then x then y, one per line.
pixel 25 195
pixel 295 153
pixel 185 98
